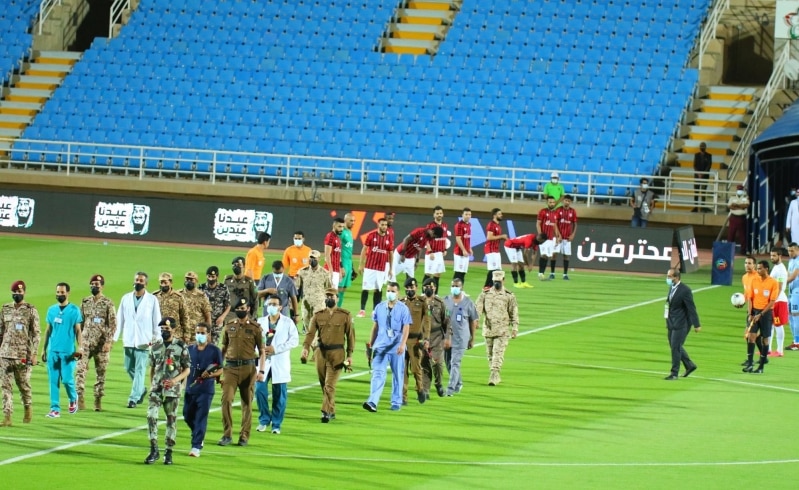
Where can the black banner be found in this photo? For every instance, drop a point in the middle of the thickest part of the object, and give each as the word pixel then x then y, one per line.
pixel 622 248
pixel 686 244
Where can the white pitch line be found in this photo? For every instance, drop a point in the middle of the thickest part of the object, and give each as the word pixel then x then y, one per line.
pixel 84 442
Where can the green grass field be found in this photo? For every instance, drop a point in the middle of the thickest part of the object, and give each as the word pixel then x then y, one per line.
pixel 583 403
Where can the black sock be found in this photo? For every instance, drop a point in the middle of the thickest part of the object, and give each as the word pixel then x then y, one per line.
pixel 489 279
pixel 762 347
pixel 364 297
pixel 750 351
pixel 522 276
pixel 377 298
pixel 542 265
pixel 552 266
pixel 565 266
pixel 515 276
pixel 435 281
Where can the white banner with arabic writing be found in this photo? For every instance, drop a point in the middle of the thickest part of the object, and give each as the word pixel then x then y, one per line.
pixel 16 211
pixel 241 225
pixel 122 218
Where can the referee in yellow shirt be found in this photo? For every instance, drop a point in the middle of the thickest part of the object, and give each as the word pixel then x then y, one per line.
pixel 762 295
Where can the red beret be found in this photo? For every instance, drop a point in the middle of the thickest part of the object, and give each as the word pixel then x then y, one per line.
pixel 18 287
pixel 97 277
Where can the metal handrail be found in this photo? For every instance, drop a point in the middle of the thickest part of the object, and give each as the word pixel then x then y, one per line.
pixel 709 29
pixel 358 174
pixel 115 14
pixel 775 82
pixel 45 7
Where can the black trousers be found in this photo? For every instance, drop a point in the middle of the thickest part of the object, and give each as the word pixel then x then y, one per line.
pixel 678 354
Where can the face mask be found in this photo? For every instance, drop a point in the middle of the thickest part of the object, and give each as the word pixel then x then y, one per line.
pixel 428 292
pixel 95 290
pixel 201 338
pixel 391 295
pixel 669 281
pixel 313 263
pixel 60 298
pixel 455 290
pixel 165 289
pixel 793 193
pixel 138 286
pixel 410 293
pixel 644 187
pixel 211 282
pixel 298 243
pixel 497 284
pixel 17 298
pixel 189 285
pixel 272 310
pixel 554 181
pixel 740 193
pixel 166 335
pixel 330 302
pixel 237 270
pixel 241 314
pixel 278 277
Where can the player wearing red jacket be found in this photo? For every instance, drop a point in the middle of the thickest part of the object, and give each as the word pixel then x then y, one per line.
pixel 519 251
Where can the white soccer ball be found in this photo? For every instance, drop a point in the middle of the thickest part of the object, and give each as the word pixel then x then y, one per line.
pixel 737 299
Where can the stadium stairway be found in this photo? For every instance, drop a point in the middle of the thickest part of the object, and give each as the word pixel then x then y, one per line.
pixel 418 27
pixel 30 90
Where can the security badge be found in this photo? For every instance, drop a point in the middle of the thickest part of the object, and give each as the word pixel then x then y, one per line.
pixel 19 327
pixel 666 311
pixel 98 320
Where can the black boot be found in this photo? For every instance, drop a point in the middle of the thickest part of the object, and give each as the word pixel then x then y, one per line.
pixel 168 456
pixel 154 454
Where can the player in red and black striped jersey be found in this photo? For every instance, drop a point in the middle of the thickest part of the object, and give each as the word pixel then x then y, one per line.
pixel 333 251
pixel 463 246
pixel 375 255
pixel 519 251
pixel 566 219
pixel 547 224
pixel 494 236
pixel 436 248
pixel 407 251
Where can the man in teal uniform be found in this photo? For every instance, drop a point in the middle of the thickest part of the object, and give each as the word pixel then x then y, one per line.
pixel 346 257
pixel 62 349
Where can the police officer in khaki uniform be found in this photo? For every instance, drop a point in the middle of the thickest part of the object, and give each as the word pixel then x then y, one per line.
pixel 242 344
pixel 19 345
pixel 501 323
pixel 433 360
pixel 314 281
pixel 172 304
pixel 99 327
pixel 331 326
pixel 198 307
pixel 241 287
pixel 418 340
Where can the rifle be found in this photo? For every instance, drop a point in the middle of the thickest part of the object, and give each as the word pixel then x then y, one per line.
pixel 211 369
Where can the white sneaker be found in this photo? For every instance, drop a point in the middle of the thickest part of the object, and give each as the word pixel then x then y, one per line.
pixel 261 428
pixel 194 453
pixel 275 431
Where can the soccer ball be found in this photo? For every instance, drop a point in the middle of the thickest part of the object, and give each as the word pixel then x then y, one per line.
pixel 737 299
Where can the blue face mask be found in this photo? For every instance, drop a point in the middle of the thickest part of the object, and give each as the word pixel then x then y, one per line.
pixel 391 295
pixel 669 281
pixel 272 310
pixel 455 290
pixel 201 338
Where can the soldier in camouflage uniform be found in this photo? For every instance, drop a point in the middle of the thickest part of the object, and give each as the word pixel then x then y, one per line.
pixel 171 304
pixel 219 297
pixel 170 364
pixel 433 360
pixel 241 287
pixel 501 315
pixel 198 308
pixel 99 327
pixel 19 345
pixel 314 280
pixel 418 340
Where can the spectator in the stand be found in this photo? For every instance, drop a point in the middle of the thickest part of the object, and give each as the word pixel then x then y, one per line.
pixel 642 201
pixel 555 189
pixel 702 162
pixel 792 219
pixel 739 205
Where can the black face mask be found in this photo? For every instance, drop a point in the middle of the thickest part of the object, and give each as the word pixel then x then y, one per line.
pixel 497 284
pixel 237 270
pixel 211 282
pixel 330 302
pixel 428 292
pixel 241 314
pixel 166 335
pixel 165 289
pixel 95 290
pixel 189 285
pixel 313 263
pixel 60 298
pixel 410 293
pixel 138 286
pixel 17 297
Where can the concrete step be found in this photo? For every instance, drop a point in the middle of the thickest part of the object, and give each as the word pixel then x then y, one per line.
pixel 10 133
pixel 723 106
pixel 38 82
pixel 687 159
pixel 28 95
pixel 719 119
pixel 431 5
pixel 425 16
pixel 19 108
pixel 725 92
pixel 5 145
pixel 13 121
pixel 712 133
pixel 408 46
pixel 417 31
pixel 48 69
pixel 72 56
pixel 713 147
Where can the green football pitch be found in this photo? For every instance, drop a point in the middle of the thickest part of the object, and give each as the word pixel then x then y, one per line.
pixel 583 403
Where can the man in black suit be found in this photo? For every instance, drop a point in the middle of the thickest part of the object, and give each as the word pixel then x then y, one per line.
pixel 680 316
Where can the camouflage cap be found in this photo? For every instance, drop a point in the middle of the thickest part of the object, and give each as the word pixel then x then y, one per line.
pixel 18 287
pixel 165 276
pixel 167 321
pixel 315 254
pixel 332 291
pixel 191 275
pixel 498 275
pixel 97 278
